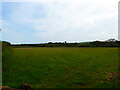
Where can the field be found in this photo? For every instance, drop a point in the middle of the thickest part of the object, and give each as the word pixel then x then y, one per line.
pixel 62 67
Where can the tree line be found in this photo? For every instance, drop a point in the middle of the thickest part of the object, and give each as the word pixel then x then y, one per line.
pixel 107 43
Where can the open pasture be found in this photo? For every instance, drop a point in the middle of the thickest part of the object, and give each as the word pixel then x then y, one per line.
pixel 62 67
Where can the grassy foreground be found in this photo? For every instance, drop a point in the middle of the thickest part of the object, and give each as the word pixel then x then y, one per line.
pixel 62 67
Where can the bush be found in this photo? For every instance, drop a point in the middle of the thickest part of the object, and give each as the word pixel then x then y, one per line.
pixel 6 54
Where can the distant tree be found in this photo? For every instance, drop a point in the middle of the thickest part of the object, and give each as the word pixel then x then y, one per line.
pixel 49 42
pixel 96 41
pixel 111 40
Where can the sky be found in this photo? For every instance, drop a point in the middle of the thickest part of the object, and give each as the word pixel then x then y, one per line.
pixel 58 21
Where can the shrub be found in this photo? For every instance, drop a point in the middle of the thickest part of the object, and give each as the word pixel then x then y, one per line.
pixel 6 54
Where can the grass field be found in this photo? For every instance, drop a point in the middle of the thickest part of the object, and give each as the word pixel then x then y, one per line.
pixel 63 67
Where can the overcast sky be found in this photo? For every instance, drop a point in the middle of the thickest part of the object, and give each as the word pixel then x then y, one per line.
pixel 64 20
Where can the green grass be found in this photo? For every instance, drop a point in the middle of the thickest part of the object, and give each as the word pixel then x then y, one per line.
pixel 62 67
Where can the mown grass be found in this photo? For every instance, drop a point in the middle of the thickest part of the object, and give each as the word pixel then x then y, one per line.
pixel 62 67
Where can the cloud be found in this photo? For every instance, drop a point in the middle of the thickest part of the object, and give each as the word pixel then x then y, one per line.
pixel 10 34
pixel 72 21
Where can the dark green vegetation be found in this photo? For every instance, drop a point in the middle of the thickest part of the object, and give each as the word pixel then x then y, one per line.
pixel 0 63
pixel 107 43
pixel 6 54
pixel 63 67
pixel 6 50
